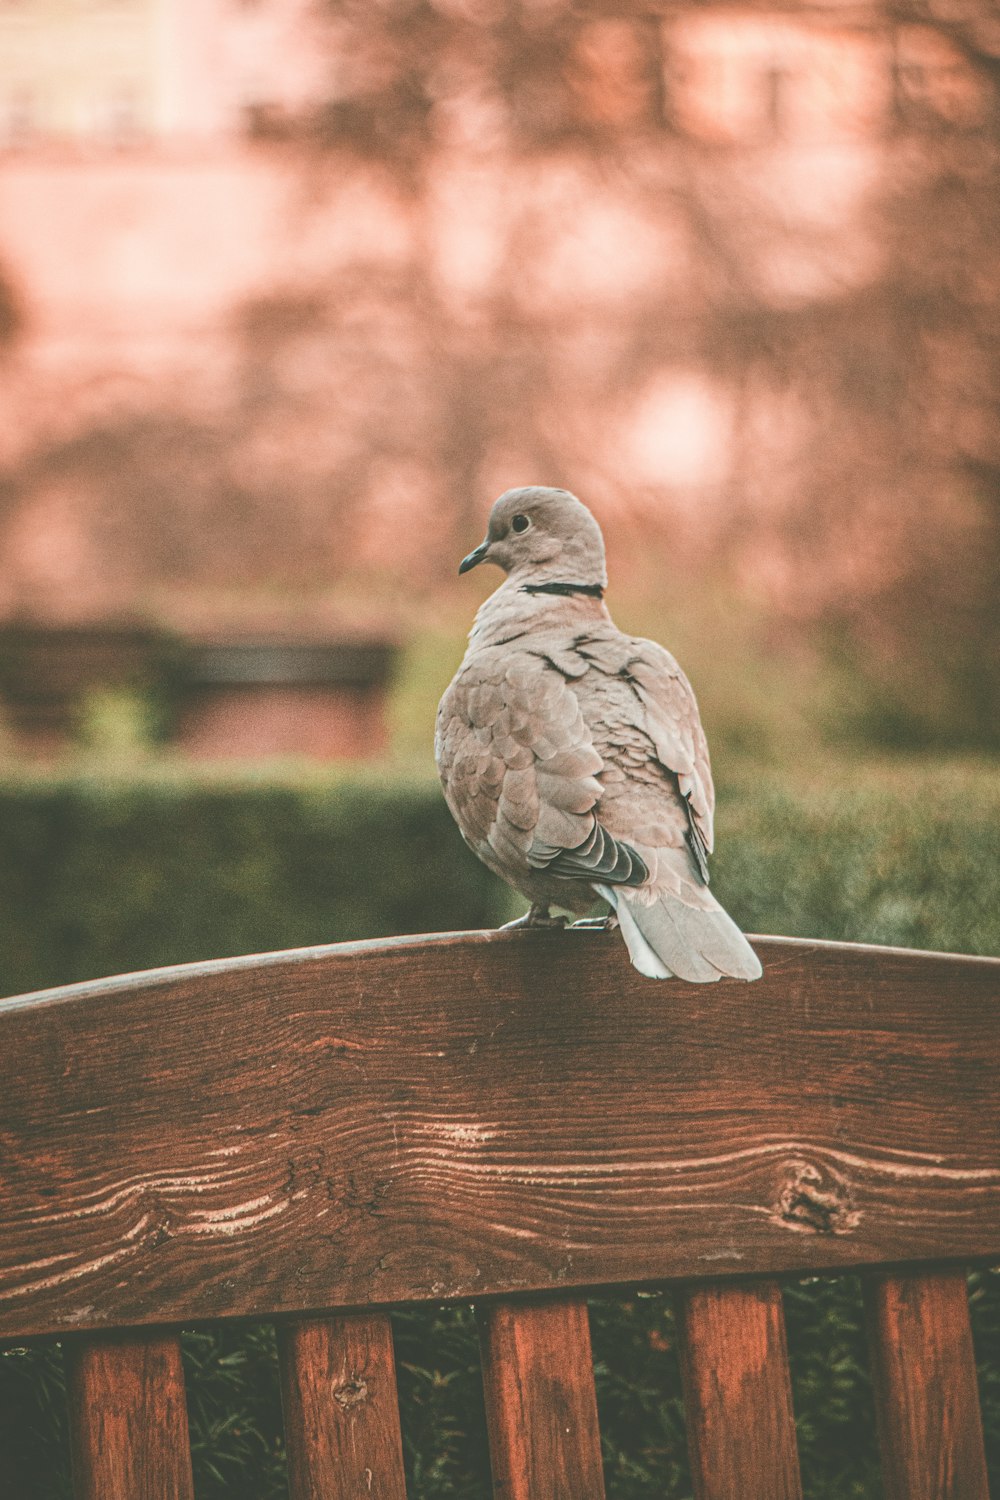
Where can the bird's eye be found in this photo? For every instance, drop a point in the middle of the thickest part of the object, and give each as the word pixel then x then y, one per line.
pixel 520 523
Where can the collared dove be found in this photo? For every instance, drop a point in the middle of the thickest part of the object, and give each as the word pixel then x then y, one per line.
pixel 572 756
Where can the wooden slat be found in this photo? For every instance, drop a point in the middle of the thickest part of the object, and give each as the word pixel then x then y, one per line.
pixel 926 1396
pixel 541 1408
pixel 737 1393
pixel 338 1392
pixel 376 1123
pixel 128 1422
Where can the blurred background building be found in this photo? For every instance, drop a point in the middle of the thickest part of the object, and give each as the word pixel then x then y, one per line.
pixel 291 289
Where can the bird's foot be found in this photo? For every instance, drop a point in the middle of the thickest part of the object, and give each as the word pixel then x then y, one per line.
pixel 537 916
pixel 603 924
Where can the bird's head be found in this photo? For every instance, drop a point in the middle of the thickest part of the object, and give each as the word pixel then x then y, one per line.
pixel 540 534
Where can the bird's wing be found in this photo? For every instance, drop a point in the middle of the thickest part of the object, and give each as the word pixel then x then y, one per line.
pixel 519 769
pixel 643 713
pixel 674 724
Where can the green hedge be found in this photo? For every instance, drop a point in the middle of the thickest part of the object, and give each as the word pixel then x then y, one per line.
pixel 101 877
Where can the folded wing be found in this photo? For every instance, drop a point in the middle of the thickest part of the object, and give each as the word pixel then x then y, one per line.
pixel 519 768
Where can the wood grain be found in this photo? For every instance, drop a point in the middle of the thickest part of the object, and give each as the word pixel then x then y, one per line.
pixel 541 1407
pixel 128 1422
pixel 489 1113
pixel 338 1393
pixel 926 1396
pixel 738 1393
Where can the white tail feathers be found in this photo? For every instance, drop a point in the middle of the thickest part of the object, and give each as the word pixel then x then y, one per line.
pixel 669 939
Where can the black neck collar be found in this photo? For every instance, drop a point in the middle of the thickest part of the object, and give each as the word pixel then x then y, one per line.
pixel 592 590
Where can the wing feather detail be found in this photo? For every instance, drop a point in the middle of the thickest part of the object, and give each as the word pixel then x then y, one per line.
pixel 519 769
pixel 674 725
pixel 599 857
pixel 525 769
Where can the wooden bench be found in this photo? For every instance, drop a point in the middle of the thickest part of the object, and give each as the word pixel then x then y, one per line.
pixel 512 1119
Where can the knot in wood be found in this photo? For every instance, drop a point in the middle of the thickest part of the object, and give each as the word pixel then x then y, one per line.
pixel 350 1392
pixel 158 1235
pixel 815 1199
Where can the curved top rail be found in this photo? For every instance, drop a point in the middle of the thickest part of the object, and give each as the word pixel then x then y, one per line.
pixel 475 1114
pixel 206 971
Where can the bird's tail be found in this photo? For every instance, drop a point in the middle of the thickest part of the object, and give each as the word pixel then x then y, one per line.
pixel 669 938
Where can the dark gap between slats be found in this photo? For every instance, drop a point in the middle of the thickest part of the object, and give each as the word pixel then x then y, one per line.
pixel 234 1412
pixel 639 1403
pixel 984 1314
pixel 34 1425
pixel 831 1389
pixel 442 1413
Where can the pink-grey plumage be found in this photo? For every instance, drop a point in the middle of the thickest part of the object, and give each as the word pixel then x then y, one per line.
pixel 572 755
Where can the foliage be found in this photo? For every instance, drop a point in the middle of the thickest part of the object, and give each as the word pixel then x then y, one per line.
pixel 101 877
pixel 237 1444
pixel 155 868
pixel 902 853
pixel 34 1456
pixel 831 1389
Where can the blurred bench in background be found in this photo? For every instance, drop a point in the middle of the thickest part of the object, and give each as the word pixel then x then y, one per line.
pixel 212 695
pixel 510 1119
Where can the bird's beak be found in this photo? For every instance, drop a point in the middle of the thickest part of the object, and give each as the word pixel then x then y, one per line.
pixel 474 557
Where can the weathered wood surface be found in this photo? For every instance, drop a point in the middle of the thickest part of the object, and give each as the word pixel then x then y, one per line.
pixel 128 1424
pixel 541 1405
pixel 926 1395
pixel 338 1393
pixel 738 1393
pixel 485 1113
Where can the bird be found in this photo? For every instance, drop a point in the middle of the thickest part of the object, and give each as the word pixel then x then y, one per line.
pixel 572 756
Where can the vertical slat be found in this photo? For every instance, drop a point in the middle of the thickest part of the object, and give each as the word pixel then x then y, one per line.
pixel 541 1407
pixel 128 1424
pixel 926 1396
pixel 338 1392
pixel 738 1393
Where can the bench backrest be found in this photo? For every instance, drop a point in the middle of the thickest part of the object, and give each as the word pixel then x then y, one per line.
pixel 510 1119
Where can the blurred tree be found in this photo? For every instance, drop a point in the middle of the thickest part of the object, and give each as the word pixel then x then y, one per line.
pixel 733 274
